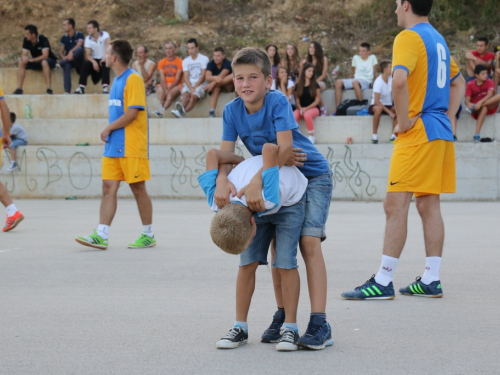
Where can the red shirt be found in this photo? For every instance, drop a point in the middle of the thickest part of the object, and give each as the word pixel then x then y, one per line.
pixel 488 56
pixel 477 93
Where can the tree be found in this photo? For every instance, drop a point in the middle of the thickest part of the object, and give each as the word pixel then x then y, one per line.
pixel 181 9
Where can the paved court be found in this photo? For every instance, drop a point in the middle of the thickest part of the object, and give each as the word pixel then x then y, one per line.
pixel 67 309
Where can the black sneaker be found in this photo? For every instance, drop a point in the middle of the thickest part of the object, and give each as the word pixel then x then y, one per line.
pixel 273 334
pixel 80 90
pixel 288 341
pixel 234 338
pixel 211 113
pixel 49 92
pixel 18 92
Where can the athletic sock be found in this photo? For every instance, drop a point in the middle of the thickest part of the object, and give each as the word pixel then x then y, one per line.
pixel 148 230
pixel 293 326
pixel 386 272
pixel 11 210
pixel 102 231
pixel 243 325
pixel 319 315
pixel 375 137
pixel 431 273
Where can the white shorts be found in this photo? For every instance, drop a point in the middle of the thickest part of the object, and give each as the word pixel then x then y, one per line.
pixel 348 83
pixel 199 91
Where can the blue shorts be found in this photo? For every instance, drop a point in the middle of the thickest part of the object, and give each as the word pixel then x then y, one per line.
pixel 318 198
pixel 285 226
pixel 16 142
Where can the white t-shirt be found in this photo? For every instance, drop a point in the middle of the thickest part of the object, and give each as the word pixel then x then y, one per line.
pixel 384 89
pixel 195 67
pixel 147 66
pixel 98 47
pixel 364 68
pixel 288 86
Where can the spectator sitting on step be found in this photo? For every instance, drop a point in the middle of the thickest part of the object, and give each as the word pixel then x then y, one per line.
pixel 496 77
pixel 95 50
pixel 307 99
pixel 382 100
pixel 285 85
pixel 316 57
pixel 480 99
pixel 42 58
pixel 272 52
pixel 364 69
pixel 292 61
pixel 219 77
pixel 194 68
pixel 170 70
pixel 18 137
pixel 70 51
pixel 480 56
pixel 146 68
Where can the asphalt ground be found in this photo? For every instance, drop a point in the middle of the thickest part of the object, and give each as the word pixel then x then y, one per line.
pixel 68 309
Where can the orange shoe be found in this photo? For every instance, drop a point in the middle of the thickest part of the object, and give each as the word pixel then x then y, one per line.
pixel 13 221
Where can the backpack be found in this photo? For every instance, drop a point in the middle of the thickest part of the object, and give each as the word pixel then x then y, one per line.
pixel 342 108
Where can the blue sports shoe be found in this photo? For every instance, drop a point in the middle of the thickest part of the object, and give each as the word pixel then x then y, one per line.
pixel 418 288
pixel 318 335
pixel 273 333
pixel 371 290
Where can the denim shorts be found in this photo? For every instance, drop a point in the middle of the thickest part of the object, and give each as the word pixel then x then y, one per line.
pixel 318 198
pixel 16 142
pixel 285 226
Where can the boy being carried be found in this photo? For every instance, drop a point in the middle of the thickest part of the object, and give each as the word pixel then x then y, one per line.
pixel 235 226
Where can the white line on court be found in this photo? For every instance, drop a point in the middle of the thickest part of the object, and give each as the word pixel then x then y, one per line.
pixel 3 251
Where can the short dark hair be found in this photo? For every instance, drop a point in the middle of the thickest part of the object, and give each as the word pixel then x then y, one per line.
pixel 366 45
pixel 71 21
pixel 13 117
pixel 95 24
pixel 483 39
pixel 193 40
pixel 146 50
pixel 384 64
pixel 219 49
pixel 479 68
pixel 32 29
pixel 253 56
pixel 123 50
pixel 420 8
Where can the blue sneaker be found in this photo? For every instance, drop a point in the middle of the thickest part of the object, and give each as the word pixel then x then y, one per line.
pixel 477 138
pixel 371 290
pixel 273 333
pixel 418 288
pixel 318 335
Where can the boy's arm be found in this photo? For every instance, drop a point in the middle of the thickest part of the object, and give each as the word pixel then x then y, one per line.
pixel 457 88
pixel 5 114
pixel 224 186
pixel 216 157
pixel 123 121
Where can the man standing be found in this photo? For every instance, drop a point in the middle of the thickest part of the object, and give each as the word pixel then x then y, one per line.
pixel 145 67
pixel 70 51
pixel 14 217
pixel 126 154
pixel 423 162
pixel 480 56
pixel 42 58
pixel 219 77
pixel 95 48
pixel 194 67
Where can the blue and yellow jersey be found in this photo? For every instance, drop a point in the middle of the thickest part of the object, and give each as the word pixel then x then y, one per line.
pixel 131 141
pixel 1 98
pixel 423 53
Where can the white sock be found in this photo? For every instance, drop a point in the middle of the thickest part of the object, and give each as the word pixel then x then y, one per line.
pixel 431 273
pixel 375 137
pixel 293 326
pixel 11 210
pixel 243 325
pixel 386 272
pixel 148 230
pixel 102 231
pixel 393 135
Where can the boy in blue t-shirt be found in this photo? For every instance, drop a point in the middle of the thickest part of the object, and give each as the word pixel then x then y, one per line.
pixel 260 116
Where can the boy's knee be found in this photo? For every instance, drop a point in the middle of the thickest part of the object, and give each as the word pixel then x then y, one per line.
pixel 356 84
pixel 339 83
pixel 249 268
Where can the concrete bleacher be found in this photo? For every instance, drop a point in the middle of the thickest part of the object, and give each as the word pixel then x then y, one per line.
pixel 53 166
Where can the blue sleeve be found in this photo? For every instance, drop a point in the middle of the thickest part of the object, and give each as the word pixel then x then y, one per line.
pixel 282 115
pixel 229 132
pixel 271 185
pixel 80 36
pixel 208 184
pixel 227 65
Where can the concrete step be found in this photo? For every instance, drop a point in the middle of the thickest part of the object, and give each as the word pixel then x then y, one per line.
pixel 207 131
pixel 360 171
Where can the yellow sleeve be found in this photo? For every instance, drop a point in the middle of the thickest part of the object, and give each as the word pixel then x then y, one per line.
pixel 404 52
pixel 135 93
pixel 1 93
pixel 454 70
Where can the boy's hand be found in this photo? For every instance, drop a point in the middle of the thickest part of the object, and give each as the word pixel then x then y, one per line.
pixel 105 133
pixel 399 129
pixel 298 158
pixel 223 189
pixel 6 141
pixel 253 195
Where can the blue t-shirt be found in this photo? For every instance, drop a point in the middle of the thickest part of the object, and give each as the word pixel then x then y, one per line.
pixel 259 128
pixel 70 42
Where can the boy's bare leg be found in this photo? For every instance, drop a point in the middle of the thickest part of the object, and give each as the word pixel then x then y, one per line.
pixel 5 196
pixel 480 118
pixel 143 202
pixel 161 95
pixel 13 154
pixel 357 89
pixel 47 74
pixel 173 93
pixel 192 102
pixel 214 97
pixel 290 288
pixel 429 208
pixel 339 85
pixel 186 97
pixel 310 247
pixel 109 201
pixel 245 286
pixel 377 112
pixel 396 207
pixel 276 278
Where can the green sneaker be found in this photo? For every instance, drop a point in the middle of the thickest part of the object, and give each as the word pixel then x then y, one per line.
pixel 142 242
pixel 94 240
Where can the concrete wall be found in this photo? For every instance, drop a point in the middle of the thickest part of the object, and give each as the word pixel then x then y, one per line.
pixel 360 171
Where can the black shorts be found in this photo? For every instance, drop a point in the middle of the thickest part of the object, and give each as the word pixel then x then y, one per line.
pixel 370 109
pixel 38 65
